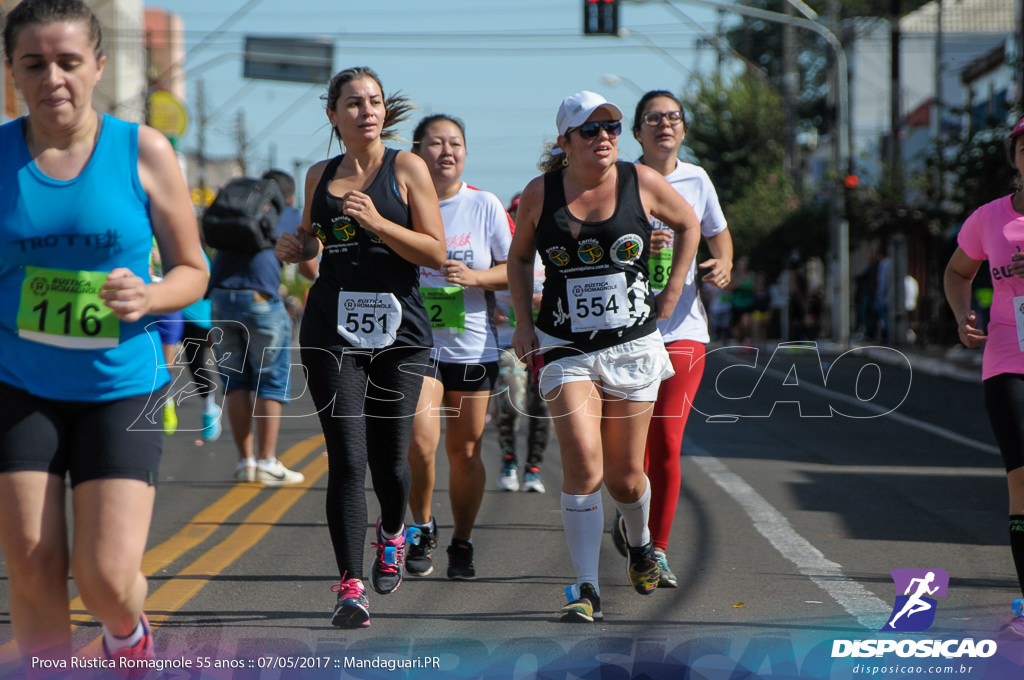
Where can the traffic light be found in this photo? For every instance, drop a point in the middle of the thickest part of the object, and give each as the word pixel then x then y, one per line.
pixel 600 17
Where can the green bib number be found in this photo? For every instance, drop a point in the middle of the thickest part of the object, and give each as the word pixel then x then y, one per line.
pixel 61 307
pixel 660 268
pixel 446 307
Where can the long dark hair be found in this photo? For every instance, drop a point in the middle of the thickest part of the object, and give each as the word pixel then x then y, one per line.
pixel 397 107
pixel 46 12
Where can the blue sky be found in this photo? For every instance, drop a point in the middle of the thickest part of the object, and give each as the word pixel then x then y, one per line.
pixel 503 67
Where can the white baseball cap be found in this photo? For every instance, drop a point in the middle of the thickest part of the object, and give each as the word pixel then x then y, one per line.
pixel 575 110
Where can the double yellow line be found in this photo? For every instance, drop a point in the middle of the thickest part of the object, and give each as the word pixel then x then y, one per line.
pixel 175 593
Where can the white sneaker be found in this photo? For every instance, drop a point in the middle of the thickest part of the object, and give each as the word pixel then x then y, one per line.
pixel 532 481
pixel 277 474
pixel 245 471
pixel 509 478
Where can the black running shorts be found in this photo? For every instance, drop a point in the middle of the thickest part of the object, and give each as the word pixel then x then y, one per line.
pixel 86 440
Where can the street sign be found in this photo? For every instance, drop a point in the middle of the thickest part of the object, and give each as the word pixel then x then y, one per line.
pixel 295 60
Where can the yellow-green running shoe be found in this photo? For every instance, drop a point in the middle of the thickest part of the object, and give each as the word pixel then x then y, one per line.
pixel 584 605
pixel 170 417
pixel 641 566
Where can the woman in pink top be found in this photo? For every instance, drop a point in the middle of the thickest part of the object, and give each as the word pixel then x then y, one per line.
pixel 995 233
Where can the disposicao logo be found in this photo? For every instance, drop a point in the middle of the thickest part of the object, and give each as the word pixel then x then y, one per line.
pixel 914 610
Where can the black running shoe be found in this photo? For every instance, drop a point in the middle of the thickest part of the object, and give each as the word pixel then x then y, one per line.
pixel 584 605
pixel 420 542
pixel 389 566
pixel 460 561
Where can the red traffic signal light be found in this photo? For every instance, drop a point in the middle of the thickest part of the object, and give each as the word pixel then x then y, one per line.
pixel 600 17
pixel 851 181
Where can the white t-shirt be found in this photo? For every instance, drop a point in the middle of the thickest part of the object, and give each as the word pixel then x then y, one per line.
pixel 478 232
pixel 689 321
pixel 504 301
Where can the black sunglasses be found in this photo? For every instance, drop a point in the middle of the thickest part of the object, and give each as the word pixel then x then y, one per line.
pixel 593 128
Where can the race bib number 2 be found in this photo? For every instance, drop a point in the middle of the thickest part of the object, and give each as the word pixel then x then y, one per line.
pixel 446 307
pixel 369 320
pixel 63 308
pixel 598 303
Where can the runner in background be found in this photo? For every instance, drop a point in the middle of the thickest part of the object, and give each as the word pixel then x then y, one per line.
pixel 660 126
pixel 464 362
pixel 995 233
pixel 519 394
pixel 79 355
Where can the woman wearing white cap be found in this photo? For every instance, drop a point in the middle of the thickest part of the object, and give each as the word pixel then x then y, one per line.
pixel 589 218
pixel 995 232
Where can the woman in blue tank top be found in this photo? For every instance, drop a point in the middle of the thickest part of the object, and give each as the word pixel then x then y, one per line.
pixel 365 334
pixel 589 218
pixel 82 196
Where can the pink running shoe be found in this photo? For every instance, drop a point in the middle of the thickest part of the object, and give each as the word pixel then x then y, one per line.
pixel 353 607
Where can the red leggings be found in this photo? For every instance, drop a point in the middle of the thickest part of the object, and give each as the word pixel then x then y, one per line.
pixel 665 436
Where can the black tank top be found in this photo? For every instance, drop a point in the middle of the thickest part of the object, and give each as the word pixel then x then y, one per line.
pixel 356 261
pixel 596 289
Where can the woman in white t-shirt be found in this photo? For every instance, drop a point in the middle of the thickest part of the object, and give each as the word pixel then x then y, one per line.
pixel 464 362
pixel 660 126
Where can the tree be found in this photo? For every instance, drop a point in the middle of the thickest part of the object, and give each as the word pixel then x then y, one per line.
pixel 736 134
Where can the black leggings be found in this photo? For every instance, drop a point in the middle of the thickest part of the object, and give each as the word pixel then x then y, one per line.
pixel 1004 401
pixel 366 400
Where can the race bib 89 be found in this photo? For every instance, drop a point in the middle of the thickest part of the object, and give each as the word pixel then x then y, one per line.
pixel 660 268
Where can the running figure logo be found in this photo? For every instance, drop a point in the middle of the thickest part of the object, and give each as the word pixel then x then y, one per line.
pixel 914 610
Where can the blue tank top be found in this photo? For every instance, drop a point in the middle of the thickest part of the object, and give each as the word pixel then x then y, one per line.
pixel 58 242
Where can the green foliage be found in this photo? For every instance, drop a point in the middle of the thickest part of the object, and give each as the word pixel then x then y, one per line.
pixel 736 135
pixel 980 169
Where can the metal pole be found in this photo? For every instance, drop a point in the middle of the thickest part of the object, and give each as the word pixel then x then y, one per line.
pixel 843 149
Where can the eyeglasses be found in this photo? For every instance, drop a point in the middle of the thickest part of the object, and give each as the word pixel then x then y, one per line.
pixel 593 128
pixel 653 118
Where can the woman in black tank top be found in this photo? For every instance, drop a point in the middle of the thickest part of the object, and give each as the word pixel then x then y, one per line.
pixel 365 334
pixel 589 218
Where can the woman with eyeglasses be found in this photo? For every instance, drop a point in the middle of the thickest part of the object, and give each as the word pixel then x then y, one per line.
pixel 660 126
pixel 589 217
pixel 464 362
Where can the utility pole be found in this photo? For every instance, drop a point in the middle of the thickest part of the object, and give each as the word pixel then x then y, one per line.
pixel 240 141
pixel 790 83
pixel 895 114
pixel 940 169
pixel 201 135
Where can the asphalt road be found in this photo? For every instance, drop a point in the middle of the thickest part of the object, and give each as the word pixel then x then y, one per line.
pixel 807 478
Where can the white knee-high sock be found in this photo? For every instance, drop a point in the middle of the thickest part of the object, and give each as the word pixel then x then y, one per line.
pixel 583 521
pixel 635 515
